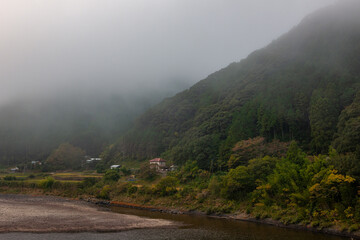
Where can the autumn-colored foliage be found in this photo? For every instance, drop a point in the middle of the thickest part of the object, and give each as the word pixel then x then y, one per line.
pixel 245 150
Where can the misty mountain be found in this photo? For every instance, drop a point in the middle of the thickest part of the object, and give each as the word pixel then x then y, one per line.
pixel 293 89
pixel 30 129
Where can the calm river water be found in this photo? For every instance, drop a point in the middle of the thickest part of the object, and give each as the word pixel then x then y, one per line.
pixel 196 227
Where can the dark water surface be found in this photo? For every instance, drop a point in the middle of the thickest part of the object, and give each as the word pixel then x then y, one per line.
pixel 196 227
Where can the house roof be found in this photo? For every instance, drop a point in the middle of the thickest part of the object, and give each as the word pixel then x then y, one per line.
pixel 157 160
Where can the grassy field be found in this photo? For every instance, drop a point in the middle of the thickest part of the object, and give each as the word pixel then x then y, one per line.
pixel 75 176
pixel 59 176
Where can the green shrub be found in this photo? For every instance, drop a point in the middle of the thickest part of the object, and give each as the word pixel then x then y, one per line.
pixel 215 186
pixel 89 182
pixel 9 178
pixel 121 188
pixel 104 192
pixel 186 191
pixel 144 190
pixel 166 186
pixel 147 173
pixel 47 183
pixel 125 171
pixel 353 227
pixel 132 189
pixel 237 183
pixel 100 167
pixel 111 176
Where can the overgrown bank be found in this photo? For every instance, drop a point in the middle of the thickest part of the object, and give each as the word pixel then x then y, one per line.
pixel 314 191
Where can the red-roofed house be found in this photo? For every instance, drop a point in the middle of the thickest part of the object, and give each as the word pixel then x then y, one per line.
pixel 158 163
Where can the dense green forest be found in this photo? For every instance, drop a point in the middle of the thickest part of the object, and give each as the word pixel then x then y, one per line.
pixel 300 87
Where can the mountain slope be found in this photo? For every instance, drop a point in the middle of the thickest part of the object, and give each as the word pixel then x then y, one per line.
pixel 295 88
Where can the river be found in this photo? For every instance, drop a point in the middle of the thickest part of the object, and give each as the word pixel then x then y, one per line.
pixel 195 227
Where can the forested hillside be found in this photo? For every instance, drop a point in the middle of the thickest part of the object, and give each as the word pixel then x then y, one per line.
pixel 301 87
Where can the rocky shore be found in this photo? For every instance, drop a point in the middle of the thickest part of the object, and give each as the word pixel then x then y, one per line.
pixel 42 214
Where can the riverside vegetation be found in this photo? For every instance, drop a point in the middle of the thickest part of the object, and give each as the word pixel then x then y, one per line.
pixel 295 188
pixel 276 135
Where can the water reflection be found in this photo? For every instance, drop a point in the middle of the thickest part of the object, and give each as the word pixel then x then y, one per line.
pixel 213 228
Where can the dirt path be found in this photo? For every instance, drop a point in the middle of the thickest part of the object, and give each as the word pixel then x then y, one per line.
pixel 21 213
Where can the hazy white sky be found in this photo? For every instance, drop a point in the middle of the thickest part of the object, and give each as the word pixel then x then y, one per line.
pixel 57 46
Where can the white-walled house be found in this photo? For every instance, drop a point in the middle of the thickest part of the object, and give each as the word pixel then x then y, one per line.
pixel 158 163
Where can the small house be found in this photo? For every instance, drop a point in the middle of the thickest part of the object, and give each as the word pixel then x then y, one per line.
pixel 115 166
pixel 158 163
pixel 91 160
pixel 15 169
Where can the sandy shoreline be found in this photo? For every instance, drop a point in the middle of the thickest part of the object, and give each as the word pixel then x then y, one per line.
pixel 23 213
